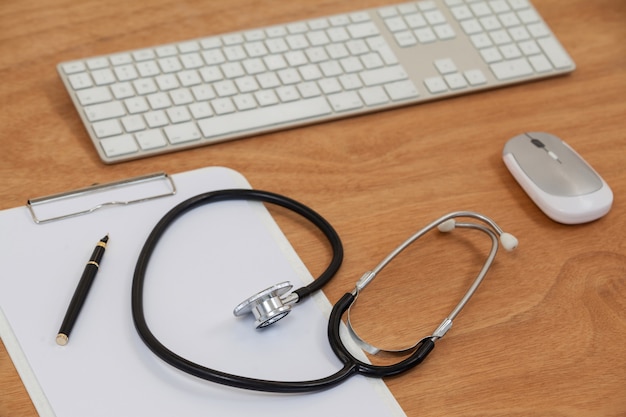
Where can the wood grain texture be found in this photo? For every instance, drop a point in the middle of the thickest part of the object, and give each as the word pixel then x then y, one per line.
pixel 544 335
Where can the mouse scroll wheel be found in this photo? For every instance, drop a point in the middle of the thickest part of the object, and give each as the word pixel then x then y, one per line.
pixel 538 143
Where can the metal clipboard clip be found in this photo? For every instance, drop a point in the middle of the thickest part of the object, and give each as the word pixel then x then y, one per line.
pixel 87 200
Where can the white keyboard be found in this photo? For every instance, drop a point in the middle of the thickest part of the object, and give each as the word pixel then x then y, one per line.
pixel 203 91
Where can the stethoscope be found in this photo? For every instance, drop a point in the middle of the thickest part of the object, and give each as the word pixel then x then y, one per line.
pixel 274 303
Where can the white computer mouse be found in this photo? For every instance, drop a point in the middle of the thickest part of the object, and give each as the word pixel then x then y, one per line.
pixel 560 182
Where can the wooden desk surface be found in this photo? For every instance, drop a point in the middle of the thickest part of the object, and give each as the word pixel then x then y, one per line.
pixel 544 335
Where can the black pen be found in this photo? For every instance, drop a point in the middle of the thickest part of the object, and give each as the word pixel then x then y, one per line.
pixel 78 299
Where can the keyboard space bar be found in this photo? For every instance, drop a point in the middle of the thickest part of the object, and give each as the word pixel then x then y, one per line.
pixel 264 117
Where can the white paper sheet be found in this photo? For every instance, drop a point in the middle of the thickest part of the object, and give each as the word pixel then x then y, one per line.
pixel 212 259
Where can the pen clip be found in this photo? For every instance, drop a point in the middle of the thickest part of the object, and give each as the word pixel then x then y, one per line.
pixel 142 188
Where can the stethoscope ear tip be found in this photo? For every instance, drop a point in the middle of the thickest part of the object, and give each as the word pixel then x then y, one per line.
pixel 447 226
pixel 508 241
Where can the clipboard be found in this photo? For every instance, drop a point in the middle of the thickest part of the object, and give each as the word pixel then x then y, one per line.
pixel 212 259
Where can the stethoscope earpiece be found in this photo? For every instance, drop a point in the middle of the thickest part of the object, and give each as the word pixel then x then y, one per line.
pixel 269 305
pixel 508 241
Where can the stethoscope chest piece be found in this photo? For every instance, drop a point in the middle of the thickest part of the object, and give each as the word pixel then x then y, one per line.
pixel 268 306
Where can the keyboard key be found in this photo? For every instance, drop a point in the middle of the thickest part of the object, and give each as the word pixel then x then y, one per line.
pixel 159 101
pixel 444 32
pixel 540 63
pixel 189 78
pixel 363 30
pixel 223 106
pixel 213 56
pixel 107 128
pixel 509 19
pixel 555 53
pixel 143 55
pixel 200 110
pixel 511 69
pixel 125 72
pixel 373 96
pixel 266 98
pixel 244 102
pixel 156 119
pixel 471 26
pixel 136 105
pixel 345 101
pixel 178 114
pixel 407 8
pixel 254 35
pixel 491 55
pixel 510 51
pixel 528 16
pixel 372 60
pixel 445 66
pixel 122 90
pixel 211 74
pixel 529 47
pixel 94 95
pixel 435 85
pixel 103 76
pixel 499 6
pixel 167 82
pixel 309 89
pixel 475 77
pixel 361 16
pixel 339 20
pixel 455 81
pixel 434 17
pixel 119 145
pixel 401 90
pixel 425 35
pixel 133 123
pixel 383 75
pixel 145 86
pixel 225 88
pixel 181 96
pixel 351 64
pixel 461 12
pixel 519 33
pixel 185 132
pixel 405 39
pixel 232 70
pixel 73 67
pixel 255 49
pixel 416 21
pixel 387 54
pixel 357 47
pixel 480 9
pixel 166 50
pixel 80 80
pixel 395 24
pixel 289 76
pixel 330 85
pixel 151 139
pixel 120 59
pixel 254 66
pixel 264 117
pixel 97 112
pixel 310 72
pixel 425 5
pixel 350 81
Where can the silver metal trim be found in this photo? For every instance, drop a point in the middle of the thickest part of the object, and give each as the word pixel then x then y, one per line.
pixel 160 176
